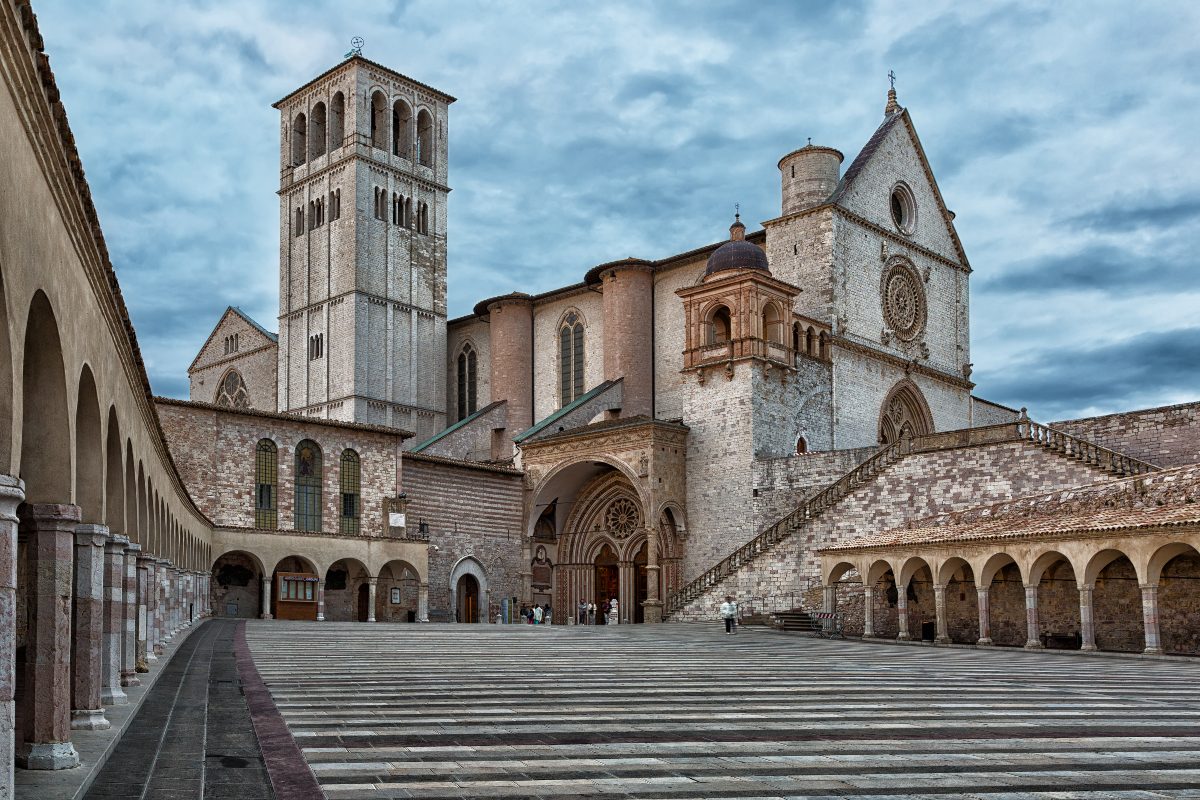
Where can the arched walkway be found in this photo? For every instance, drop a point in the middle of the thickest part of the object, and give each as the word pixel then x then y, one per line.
pixel 237 585
pixel 399 594
pixel 1178 588
pixel 295 589
pixel 347 591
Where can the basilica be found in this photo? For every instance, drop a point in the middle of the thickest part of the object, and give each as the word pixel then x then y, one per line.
pixel 784 414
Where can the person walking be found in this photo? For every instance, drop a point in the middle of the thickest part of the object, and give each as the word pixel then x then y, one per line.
pixel 591 614
pixel 537 615
pixel 729 612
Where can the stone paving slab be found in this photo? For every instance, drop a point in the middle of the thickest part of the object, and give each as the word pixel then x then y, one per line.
pixel 95 747
pixel 674 711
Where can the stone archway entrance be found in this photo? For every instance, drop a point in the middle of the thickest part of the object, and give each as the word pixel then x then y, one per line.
pixel 469 591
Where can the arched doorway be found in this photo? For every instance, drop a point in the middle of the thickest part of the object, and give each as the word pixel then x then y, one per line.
pixel 345 582
pixel 904 413
pixel 469 590
pixel 398 596
pixel 364 601
pixel 608 580
pixel 467 600
pixel 236 587
pixel 294 589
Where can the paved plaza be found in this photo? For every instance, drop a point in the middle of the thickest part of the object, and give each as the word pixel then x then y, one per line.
pixel 685 711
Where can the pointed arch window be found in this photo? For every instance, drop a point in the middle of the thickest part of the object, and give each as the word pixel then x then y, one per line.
pixel 570 358
pixel 468 381
pixel 266 480
pixel 308 486
pixel 350 481
pixel 231 392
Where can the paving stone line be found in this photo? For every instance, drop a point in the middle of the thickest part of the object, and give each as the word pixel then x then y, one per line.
pixel 675 711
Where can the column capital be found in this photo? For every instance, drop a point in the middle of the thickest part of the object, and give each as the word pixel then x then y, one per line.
pixel 89 534
pixel 63 513
pixel 133 548
pixel 145 559
pixel 12 494
pixel 116 543
pixel 373 581
pixel 1148 586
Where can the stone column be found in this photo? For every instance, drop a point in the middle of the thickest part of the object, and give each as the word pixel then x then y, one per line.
pixel 167 606
pixel 266 599
pixel 985 615
pixel 1087 622
pixel 1033 640
pixel 902 613
pixel 626 591
pixel 144 654
pixel 652 605
pixel 423 602
pixel 939 609
pixel 12 493
pixel 129 643
pixel 48 531
pixel 1150 619
pixel 372 587
pixel 321 600
pixel 156 624
pixel 868 612
pixel 87 640
pixel 111 693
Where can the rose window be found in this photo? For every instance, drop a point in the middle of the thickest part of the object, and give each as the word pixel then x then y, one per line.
pixel 903 302
pixel 622 518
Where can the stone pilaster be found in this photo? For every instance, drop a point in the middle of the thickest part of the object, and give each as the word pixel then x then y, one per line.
pixel 144 654
pixel 87 635
pixel 1033 635
pixel 12 493
pixel 111 693
pixel 129 642
pixel 423 602
pixel 984 594
pixel 902 613
pixel 265 613
pixel 868 612
pixel 321 600
pixel 939 607
pixel 1150 619
pixel 372 587
pixel 1087 620
pixel 161 605
pixel 48 531
pixel 653 605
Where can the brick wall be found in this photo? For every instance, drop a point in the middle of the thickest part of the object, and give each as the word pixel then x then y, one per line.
pixel 781 484
pixel 919 485
pixel 214 450
pixel 1167 436
pixel 471 510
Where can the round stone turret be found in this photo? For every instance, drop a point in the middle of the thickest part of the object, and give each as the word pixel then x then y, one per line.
pixel 810 176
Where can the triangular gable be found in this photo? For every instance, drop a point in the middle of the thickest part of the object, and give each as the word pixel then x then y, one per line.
pixel 234 313
pixel 843 195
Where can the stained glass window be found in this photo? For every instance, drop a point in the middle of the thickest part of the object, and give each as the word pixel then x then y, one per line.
pixel 308 486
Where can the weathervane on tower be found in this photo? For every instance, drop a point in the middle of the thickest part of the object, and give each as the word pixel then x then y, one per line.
pixel 356 46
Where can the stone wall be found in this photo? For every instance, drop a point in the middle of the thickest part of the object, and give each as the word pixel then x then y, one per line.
pixel 470 510
pixel 919 485
pixel 476 333
pixel 215 448
pixel 782 484
pixel 984 413
pixel 1167 437
pixel 256 359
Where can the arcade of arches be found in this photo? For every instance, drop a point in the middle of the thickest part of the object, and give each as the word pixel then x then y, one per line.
pixel 1127 593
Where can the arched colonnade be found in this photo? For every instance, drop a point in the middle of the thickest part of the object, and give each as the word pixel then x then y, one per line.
pixel 1132 593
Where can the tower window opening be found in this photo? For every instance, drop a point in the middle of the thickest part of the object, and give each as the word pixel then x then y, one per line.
pixel 719 329
pixel 378 121
pixel 299 139
pixel 425 138
pixel 337 120
pixel 316 346
pixel 299 224
pixel 401 129
pixel 316 140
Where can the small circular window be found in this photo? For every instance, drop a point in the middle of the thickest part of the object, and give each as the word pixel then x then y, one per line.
pixel 904 209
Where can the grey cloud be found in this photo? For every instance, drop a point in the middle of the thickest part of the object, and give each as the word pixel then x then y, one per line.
pixel 1123 217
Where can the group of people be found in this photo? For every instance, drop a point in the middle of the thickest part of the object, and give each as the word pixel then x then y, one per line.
pixel 536 615
pixel 605 614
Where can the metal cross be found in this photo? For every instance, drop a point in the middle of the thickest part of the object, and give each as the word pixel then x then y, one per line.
pixel 737 210
pixel 892 77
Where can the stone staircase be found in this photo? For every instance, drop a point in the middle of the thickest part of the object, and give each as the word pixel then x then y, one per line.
pixel 1102 459
pixel 796 619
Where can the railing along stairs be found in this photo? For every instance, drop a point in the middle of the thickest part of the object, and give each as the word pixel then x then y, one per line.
pixel 810 510
pixel 1024 429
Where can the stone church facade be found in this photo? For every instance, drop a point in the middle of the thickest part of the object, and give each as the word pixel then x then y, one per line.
pixel 785 416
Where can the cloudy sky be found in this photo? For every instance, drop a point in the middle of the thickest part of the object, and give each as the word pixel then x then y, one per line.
pixel 1060 134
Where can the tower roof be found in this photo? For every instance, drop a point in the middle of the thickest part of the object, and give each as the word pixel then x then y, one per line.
pixel 368 62
pixel 737 253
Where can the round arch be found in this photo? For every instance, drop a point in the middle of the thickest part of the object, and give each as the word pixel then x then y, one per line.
pixel 398 594
pixel 347 592
pixel 46 447
pixel 236 584
pixel 468 569
pixel 1154 565
pixel 89 450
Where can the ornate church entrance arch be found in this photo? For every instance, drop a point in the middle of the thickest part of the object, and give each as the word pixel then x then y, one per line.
pixel 468 587
pixel 904 413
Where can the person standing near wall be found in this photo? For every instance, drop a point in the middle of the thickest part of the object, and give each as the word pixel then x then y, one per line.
pixel 729 612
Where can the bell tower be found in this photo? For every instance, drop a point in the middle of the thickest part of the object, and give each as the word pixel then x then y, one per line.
pixel 362 248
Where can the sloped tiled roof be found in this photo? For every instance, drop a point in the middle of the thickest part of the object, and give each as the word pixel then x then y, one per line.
pixel 1160 499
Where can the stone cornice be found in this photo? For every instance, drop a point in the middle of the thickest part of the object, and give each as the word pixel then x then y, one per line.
pixel 352 155
pixel 911 365
pixel 863 222
pixel 397 303
pixel 38 104
pixel 232 358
